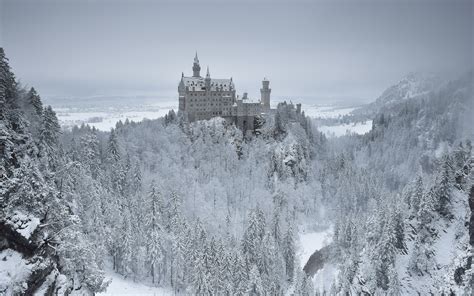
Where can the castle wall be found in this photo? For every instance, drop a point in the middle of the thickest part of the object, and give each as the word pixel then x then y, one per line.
pixel 204 98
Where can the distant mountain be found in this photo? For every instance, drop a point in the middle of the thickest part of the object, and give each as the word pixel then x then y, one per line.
pixel 414 85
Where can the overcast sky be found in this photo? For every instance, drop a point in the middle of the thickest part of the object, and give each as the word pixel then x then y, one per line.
pixel 321 49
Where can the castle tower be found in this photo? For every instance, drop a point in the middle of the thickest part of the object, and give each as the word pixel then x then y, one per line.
pixel 208 80
pixel 265 94
pixel 196 67
pixel 181 93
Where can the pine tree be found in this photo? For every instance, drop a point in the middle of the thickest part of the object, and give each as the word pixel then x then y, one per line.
pixel 394 285
pixel 90 152
pixel 50 129
pixel 289 253
pixel 113 152
pixel 442 192
pixel 421 258
pixel 34 100
pixel 136 180
pixel 276 229
pixel 155 231
pixel 416 195
pixel 303 285
pixel 127 245
pixel 8 94
pixel 255 286
pixel 200 282
pixel 239 274
pixel 398 227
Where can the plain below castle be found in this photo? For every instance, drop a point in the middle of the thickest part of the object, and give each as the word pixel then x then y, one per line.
pixel 204 98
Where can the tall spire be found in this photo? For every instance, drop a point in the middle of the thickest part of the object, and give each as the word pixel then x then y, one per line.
pixel 196 67
pixel 207 74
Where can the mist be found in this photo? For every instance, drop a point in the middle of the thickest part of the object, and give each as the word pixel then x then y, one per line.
pixel 314 51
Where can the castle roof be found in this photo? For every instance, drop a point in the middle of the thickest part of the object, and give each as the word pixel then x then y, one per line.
pixel 216 84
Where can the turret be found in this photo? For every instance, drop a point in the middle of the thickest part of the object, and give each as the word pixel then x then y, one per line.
pixel 196 67
pixel 207 80
pixel 181 87
pixel 265 94
pixel 181 92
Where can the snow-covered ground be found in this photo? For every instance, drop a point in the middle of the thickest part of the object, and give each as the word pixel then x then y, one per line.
pixel 122 286
pixel 359 128
pixel 311 242
pixel 326 112
pixel 105 121
pixel 105 115
pixel 13 270
pixel 325 278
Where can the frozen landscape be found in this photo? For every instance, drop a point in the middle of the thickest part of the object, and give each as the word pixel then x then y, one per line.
pixel 249 148
pixel 105 118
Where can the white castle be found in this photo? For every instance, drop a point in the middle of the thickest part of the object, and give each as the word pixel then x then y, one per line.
pixel 204 98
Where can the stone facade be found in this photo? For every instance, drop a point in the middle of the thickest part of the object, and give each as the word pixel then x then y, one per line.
pixel 202 98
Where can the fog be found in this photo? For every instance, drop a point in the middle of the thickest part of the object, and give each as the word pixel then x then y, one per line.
pixel 316 51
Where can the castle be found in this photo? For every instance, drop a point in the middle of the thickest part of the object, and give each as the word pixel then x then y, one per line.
pixel 204 98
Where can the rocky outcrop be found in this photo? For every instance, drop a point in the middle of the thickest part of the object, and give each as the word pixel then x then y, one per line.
pixel 11 239
pixel 38 264
pixel 317 261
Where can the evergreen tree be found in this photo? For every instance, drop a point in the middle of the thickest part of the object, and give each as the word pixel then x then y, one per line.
pixel 442 191
pixel 253 237
pixel 255 285
pixel 240 275
pixel 34 100
pixel 155 231
pixel 50 128
pixel 420 261
pixel 417 195
pixel 289 253
pixel 113 152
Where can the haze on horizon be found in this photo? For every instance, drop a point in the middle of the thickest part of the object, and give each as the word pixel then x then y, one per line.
pixel 320 50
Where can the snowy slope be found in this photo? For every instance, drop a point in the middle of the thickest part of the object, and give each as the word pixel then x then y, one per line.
pixel 14 271
pixel 449 249
pixel 121 286
pixel 414 85
pixel 358 128
pixel 311 242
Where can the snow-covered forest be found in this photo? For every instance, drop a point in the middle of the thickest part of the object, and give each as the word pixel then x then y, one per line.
pixel 202 209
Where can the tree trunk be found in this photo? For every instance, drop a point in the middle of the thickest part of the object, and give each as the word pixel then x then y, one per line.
pixel 471 223
pixel 153 273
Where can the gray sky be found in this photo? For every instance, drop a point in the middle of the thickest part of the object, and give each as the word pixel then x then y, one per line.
pixel 319 49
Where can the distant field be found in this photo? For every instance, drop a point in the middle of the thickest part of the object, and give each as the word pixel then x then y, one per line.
pixel 104 114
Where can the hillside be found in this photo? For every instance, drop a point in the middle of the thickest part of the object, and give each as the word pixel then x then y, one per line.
pixel 200 208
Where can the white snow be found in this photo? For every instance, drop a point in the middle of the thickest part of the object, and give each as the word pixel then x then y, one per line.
pixel 447 248
pixel 122 286
pixel 105 121
pixel 359 128
pixel 326 112
pixel 325 278
pixel 311 242
pixel 23 224
pixel 105 118
pixel 14 271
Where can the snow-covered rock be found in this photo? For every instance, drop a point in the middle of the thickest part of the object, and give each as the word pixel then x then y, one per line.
pixel 23 224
